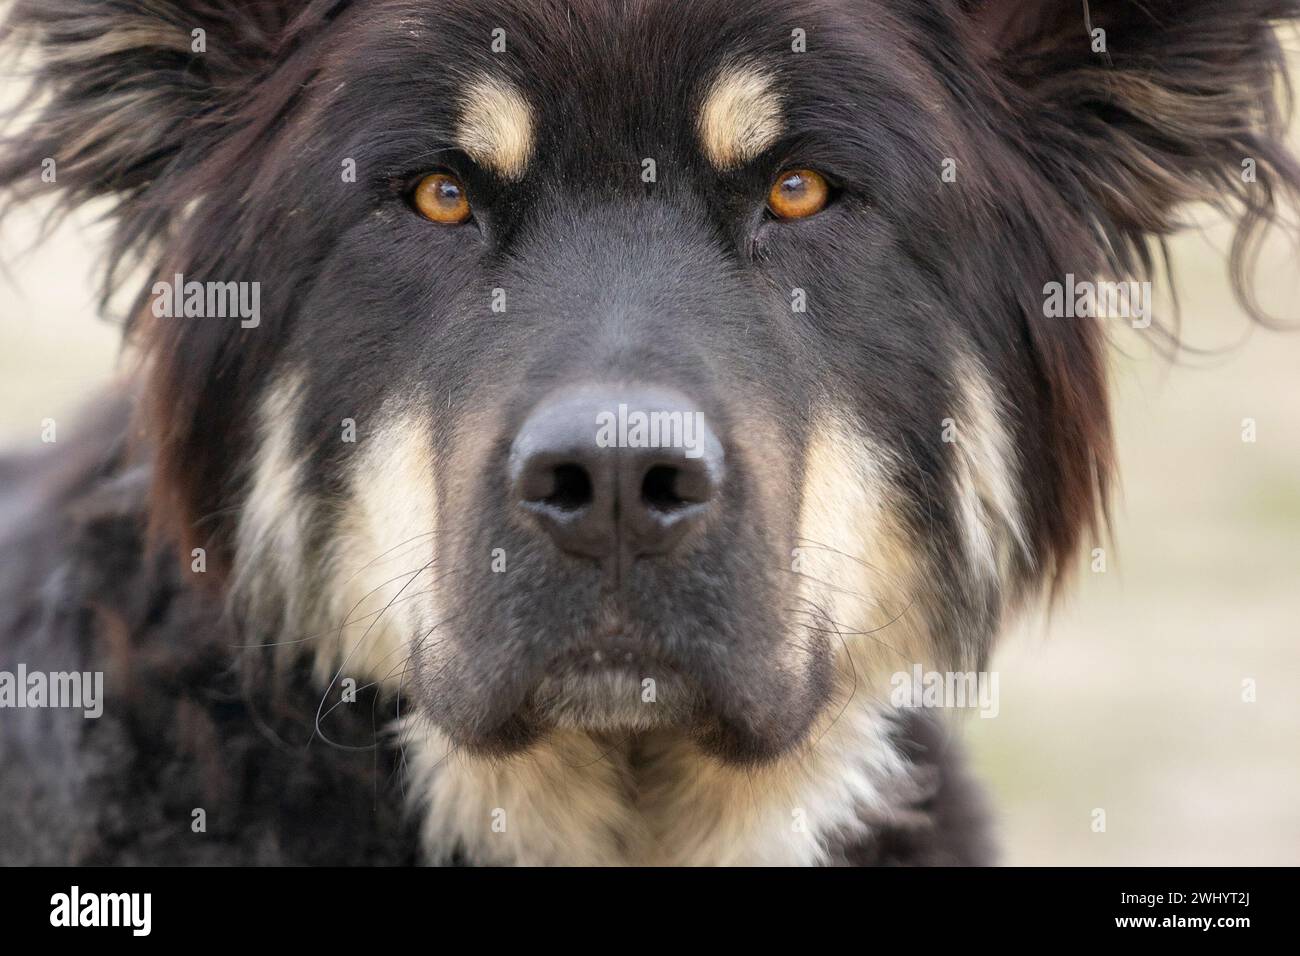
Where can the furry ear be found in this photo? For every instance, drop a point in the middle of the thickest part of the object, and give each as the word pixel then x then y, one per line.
pixel 165 106
pixel 127 97
pixel 1135 107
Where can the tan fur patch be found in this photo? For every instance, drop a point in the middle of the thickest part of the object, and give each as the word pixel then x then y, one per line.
pixel 496 127
pixel 740 116
pixel 270 582
pixel 987 493
pixel 578 800
pixel 855 564
pixel 382 571
pixel 355 606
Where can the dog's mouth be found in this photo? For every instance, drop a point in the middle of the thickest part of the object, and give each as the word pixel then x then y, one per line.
pixel 611 686
pixel 701 655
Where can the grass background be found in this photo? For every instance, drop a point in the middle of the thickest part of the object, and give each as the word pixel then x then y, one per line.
pixel 1129 698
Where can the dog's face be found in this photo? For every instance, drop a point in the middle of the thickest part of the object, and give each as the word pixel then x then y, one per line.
pixel 804 243
pixel 733 237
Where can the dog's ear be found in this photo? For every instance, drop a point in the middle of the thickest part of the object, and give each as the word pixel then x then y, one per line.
pixel 127 98
pixel 164 107
pixel 1135 107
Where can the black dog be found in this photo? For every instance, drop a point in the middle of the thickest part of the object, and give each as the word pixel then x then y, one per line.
pixel 571 417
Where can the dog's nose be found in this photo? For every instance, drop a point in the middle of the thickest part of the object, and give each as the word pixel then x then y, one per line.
pixel 612 470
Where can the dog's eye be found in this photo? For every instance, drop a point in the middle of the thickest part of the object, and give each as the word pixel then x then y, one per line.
pixel 440 197
pixel 798 194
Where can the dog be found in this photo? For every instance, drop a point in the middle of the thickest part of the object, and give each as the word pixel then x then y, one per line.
pixel 550 428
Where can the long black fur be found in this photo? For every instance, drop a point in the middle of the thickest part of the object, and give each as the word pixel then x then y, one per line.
pixel 188 723
pixel 1069 163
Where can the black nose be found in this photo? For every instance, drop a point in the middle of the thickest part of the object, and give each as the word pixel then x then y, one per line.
pixel 616 470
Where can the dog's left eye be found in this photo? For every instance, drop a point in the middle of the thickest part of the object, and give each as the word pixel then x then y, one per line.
pixel 798 194
pixel 440 197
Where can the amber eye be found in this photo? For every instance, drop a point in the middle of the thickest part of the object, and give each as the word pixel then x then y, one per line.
pixel 798 193
pixel 441 198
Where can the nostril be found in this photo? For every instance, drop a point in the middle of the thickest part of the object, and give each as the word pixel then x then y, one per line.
pixel 566 487
pixel 668 488
pixel 659 488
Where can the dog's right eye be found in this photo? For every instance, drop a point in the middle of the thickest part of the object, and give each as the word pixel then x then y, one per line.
pixel 798 194
pixel 440 197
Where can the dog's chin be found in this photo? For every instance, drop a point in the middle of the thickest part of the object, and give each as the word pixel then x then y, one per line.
pixel 619 697
pixel 613 691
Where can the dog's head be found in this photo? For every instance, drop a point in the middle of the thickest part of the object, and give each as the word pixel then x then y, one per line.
pixel 629 365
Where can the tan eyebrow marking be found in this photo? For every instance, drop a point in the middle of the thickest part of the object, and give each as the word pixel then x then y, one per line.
pixel 741 116
pixel 495 128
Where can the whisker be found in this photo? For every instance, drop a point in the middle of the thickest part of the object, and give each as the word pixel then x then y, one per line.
pixel 319 733
pixel 354 622
pixel 348 657
pixel 383 554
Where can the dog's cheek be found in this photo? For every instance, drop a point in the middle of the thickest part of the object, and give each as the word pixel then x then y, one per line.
pixel 858 571
pixel 384 562
pixel 346 579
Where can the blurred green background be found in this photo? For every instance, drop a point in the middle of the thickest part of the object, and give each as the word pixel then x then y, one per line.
pixel 1129 697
